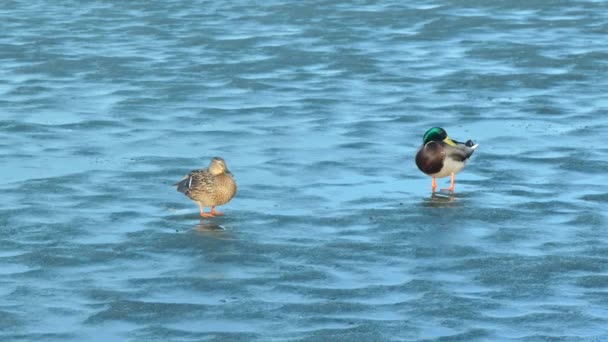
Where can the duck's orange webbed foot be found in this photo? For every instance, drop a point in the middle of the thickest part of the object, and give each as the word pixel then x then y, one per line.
pixel 201 210
pixel 451 188
pixel 433 184
pixel 216 213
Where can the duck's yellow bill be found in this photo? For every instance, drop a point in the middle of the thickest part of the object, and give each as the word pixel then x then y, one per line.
pixel 449 141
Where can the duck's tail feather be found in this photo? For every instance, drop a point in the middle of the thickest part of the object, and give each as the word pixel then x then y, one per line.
pixel 184 184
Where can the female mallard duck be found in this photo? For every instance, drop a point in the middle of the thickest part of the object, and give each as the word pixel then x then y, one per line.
pixel 439 156
pixel 209 187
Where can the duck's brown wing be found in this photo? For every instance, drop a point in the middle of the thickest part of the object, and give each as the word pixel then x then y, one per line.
pixel 429 158
pixel 195 180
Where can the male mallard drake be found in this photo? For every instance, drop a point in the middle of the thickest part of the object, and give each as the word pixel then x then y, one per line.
pixel 439 156
pixel 209 187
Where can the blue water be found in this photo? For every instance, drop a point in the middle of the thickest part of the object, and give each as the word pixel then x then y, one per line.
pixel 318 109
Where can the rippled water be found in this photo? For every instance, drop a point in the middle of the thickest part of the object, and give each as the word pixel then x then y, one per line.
pixel 318 108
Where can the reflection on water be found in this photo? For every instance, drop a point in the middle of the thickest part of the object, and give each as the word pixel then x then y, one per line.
pixel 441 200
pixel 210 228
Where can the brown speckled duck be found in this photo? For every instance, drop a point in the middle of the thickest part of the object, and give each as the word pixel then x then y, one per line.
pixel 209 187
pixel 439 156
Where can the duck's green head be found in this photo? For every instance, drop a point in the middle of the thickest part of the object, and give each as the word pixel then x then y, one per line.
pixel 437 134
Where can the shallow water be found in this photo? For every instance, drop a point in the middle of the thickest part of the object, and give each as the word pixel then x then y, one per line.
pixel 318 109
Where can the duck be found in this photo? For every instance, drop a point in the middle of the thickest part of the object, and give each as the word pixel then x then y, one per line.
pixel 439 156
pixel 209 187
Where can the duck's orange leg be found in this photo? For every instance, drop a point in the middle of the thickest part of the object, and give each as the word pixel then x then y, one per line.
pixel 216 213
pixel 433 184
pixel 451 188
pixel 201 210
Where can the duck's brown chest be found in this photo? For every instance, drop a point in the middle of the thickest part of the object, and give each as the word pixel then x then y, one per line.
pixel 220 190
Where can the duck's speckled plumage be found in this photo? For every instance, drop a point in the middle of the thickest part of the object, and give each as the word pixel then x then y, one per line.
pixel 209 187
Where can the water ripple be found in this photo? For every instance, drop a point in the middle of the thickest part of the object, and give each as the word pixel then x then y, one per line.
pixel 318 109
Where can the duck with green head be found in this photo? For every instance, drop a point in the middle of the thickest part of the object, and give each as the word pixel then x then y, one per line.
pixel 439 156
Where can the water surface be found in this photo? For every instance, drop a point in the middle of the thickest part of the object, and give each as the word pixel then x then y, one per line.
pixel 318 108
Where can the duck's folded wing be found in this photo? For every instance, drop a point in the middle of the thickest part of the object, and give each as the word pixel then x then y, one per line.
pixel 197 180
pixel 185 183
pixel 461 152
